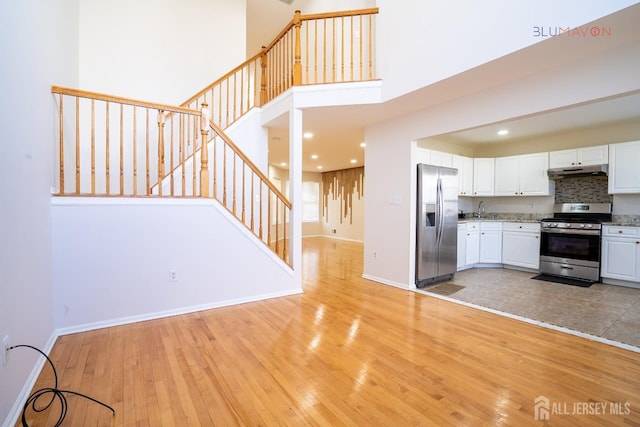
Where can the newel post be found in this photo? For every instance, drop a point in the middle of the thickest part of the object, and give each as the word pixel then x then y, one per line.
pixel 205 117
pixel 160 150
pixel 297 65
pixel 263 76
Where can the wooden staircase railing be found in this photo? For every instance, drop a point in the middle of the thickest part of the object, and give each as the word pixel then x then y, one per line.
pixel 114 146
pixel 333 47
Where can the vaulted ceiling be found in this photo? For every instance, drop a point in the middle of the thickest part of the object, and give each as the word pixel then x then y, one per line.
pixel 339 131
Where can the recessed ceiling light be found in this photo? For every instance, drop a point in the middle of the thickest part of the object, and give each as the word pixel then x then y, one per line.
pixel 314 156
pixel 308 135
pixel 363 144
pixel 318 167
pixel 283 164
pixel 502 132
pixel 354 161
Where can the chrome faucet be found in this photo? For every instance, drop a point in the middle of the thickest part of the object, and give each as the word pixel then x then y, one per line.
pixel 481 209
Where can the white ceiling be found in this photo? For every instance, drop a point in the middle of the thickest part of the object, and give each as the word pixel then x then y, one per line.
pixel 338 131
pixel 599 114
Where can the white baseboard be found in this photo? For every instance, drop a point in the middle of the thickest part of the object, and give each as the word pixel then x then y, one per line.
pixel 16 409
pixel 175 312
pixel 387 282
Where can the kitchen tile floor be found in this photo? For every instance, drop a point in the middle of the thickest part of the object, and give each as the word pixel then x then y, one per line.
pixel 607 311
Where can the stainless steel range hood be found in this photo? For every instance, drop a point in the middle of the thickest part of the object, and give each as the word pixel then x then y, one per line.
pixel 593 170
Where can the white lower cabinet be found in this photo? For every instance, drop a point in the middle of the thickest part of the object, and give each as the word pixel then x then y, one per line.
pixel 621 253
pixel 472 243
pixel 482 242
pixel 462 246
pixel 491 242
pixel 521 244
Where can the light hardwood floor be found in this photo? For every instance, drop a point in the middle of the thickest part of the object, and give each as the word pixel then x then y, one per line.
pixel 346 352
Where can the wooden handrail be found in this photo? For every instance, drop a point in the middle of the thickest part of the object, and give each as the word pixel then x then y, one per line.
pixel 224 77
pixel 281 34
pixel 121 100
pixel 251 165
pixel 340 14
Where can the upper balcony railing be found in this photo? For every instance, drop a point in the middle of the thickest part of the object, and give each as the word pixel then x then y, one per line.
pixel 322 48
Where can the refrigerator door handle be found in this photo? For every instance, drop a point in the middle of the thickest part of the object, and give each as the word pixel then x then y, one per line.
pixel 439 212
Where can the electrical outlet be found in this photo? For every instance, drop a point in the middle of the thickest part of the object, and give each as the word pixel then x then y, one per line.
pixel 4 349
pixel 173 276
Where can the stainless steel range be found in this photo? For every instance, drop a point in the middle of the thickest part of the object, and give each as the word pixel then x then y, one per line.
pixel 570 241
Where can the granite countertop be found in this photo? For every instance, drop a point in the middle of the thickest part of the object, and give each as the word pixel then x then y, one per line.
pixel 624 220
pixel 618 220
pixel 501 217
pixel 466 220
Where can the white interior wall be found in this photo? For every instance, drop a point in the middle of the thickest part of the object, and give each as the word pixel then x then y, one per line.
pixel 390 144
pixel 349 227
pixel 262 31
pixel 155 50
pixel 346 230
pixel 100 283
pixel 467 33
pixel 388 208
pixel 32 61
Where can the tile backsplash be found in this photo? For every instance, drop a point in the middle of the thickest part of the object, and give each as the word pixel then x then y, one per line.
pixel 583 189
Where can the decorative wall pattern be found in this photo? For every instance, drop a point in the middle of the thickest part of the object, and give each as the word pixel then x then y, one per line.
pixel 342 184
pixel 589 189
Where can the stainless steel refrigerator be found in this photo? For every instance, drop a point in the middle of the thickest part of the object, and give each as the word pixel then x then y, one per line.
pixel 437 228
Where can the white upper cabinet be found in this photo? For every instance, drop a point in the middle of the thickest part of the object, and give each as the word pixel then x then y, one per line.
pixel 423 156
pixel 483 176
pixel 433 157
pixel 524 175
pixel 465 174
pixel 624 176
pixel 597 155
pixel 507 176
pixel 438 158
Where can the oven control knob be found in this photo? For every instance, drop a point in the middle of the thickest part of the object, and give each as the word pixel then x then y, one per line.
pixel 589 225
pixel 567 225
pixel 581 225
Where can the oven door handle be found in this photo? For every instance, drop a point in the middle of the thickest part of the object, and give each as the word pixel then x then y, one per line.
pixel 566 267
pixel 571 231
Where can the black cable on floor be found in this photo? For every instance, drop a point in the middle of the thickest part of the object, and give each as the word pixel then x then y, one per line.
pixel 55 392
